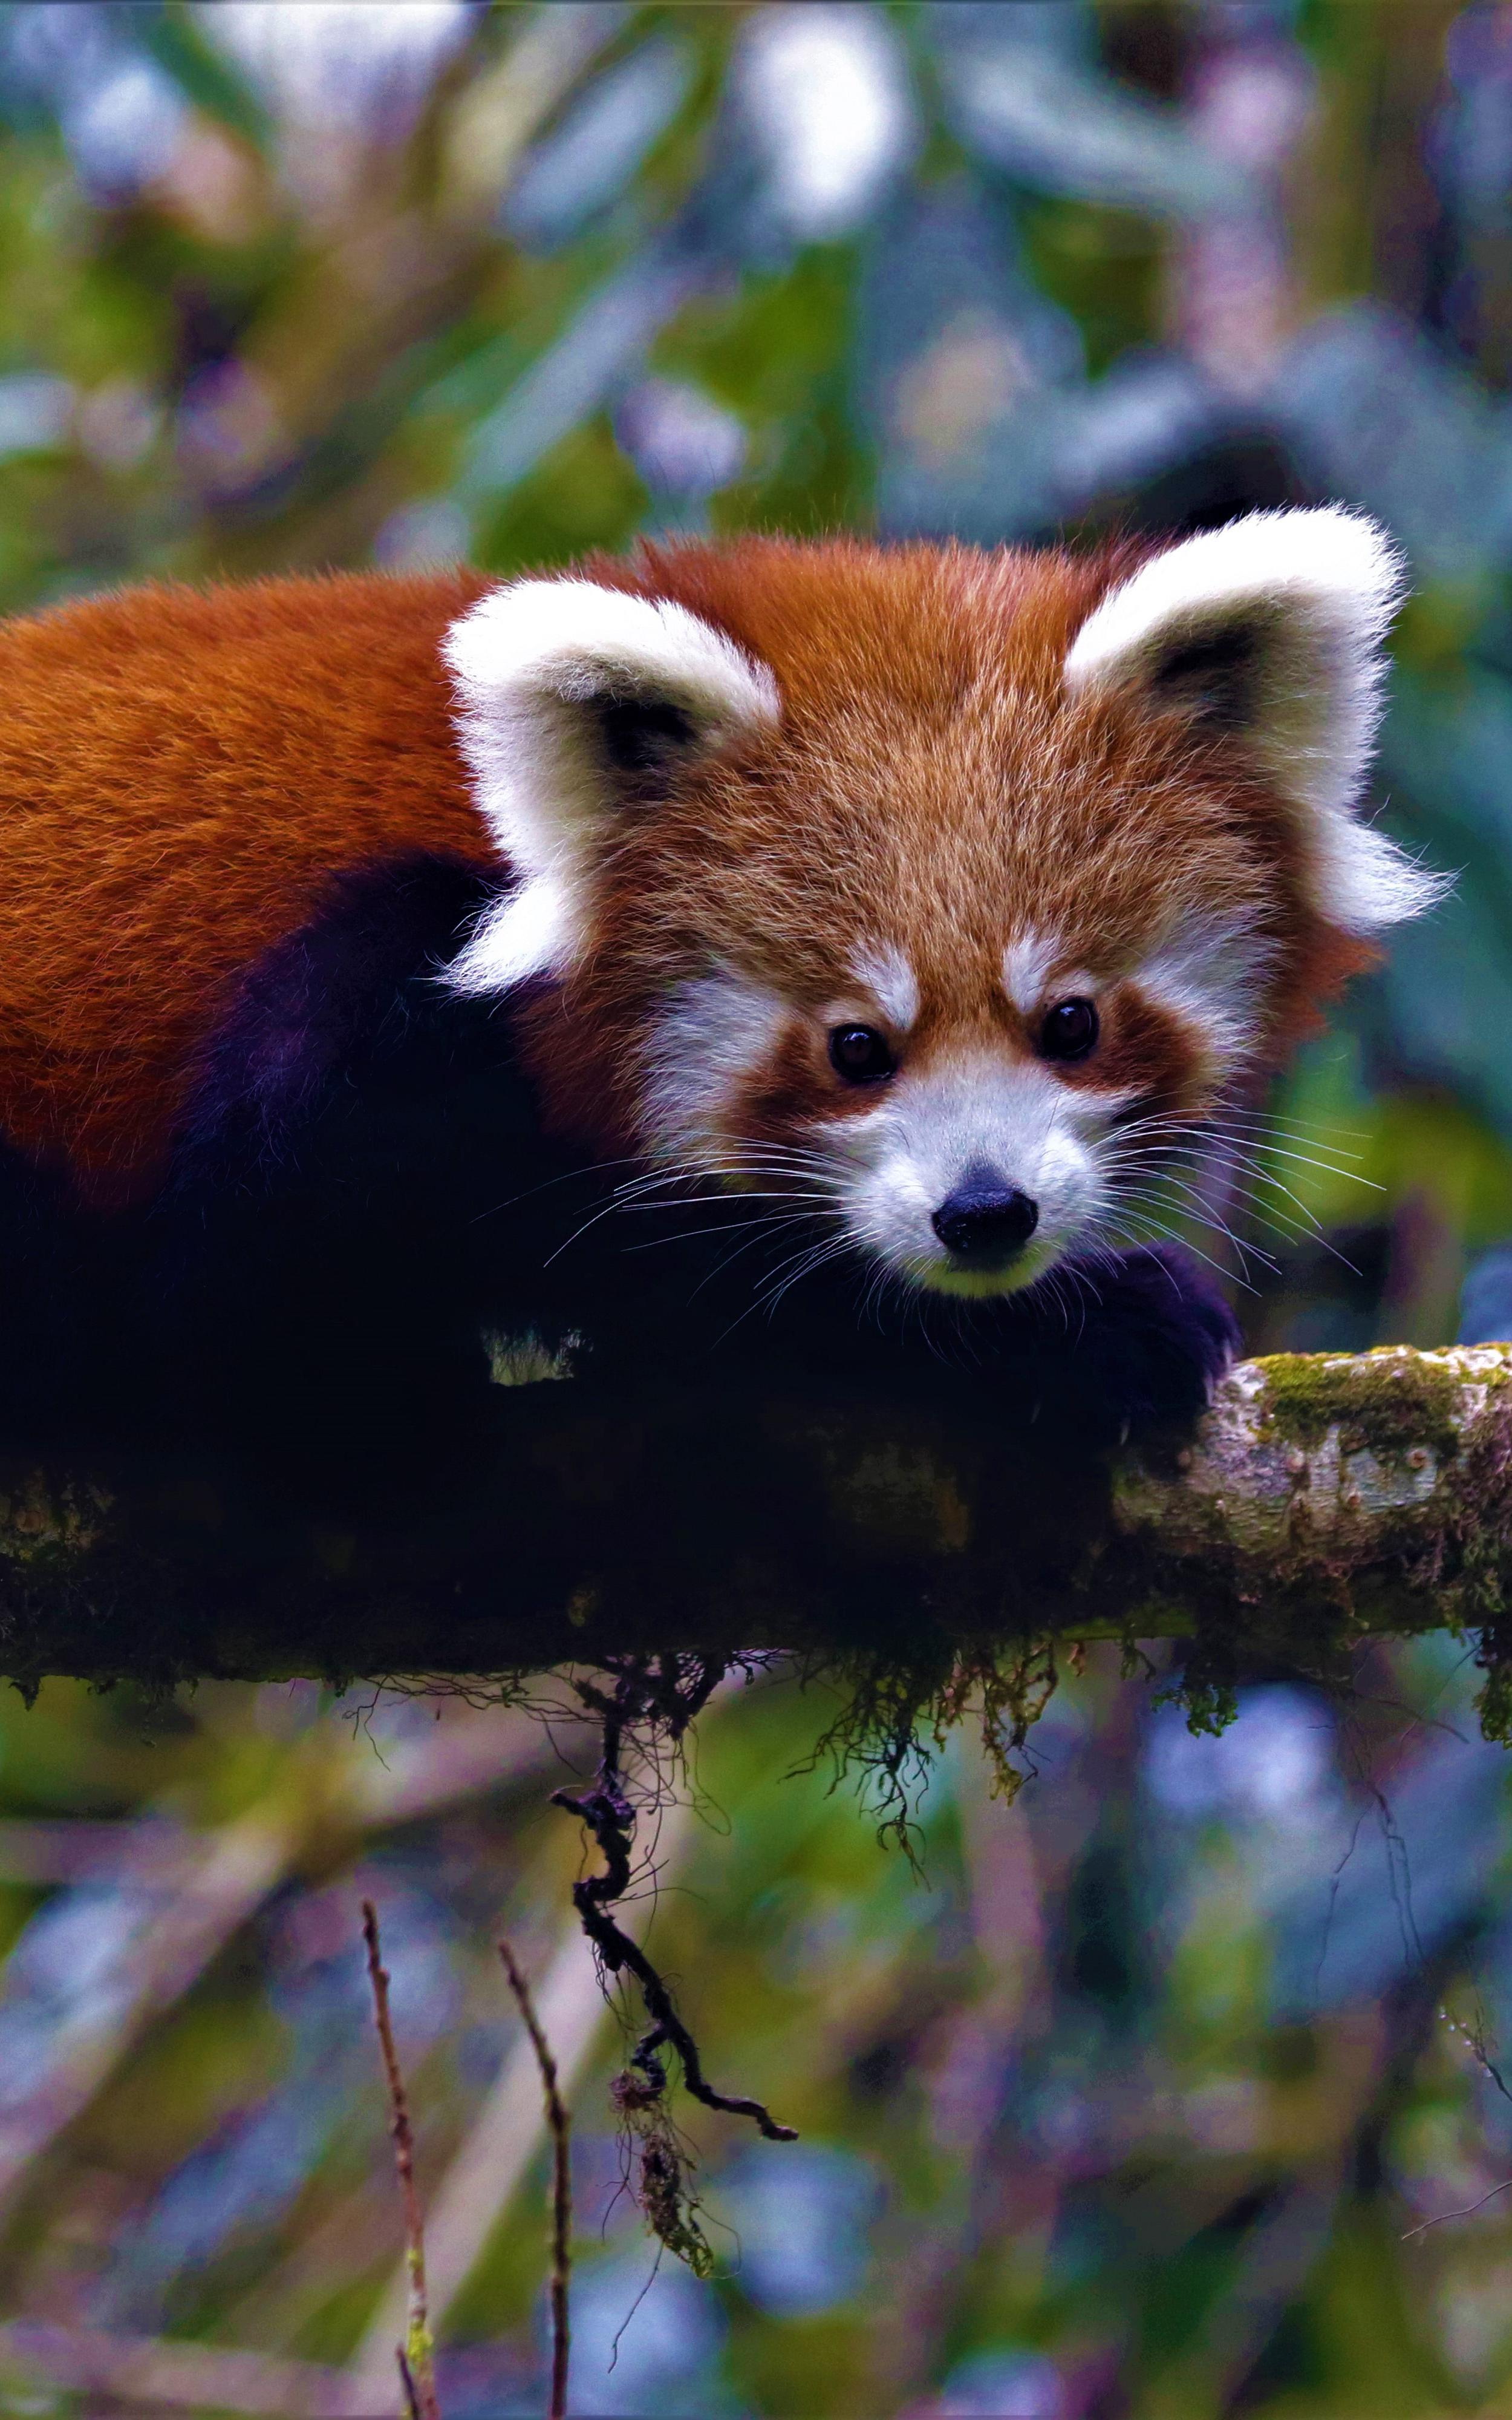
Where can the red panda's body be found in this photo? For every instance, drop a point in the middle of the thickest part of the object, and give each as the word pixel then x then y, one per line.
pixel 912 887
pixel 182 772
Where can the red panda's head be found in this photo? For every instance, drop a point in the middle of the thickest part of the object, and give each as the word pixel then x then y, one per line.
pixel 936 888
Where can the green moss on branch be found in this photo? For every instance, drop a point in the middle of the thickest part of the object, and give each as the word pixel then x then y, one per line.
pixel 1391 1401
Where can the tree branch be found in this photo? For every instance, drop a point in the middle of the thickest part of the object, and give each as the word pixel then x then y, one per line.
pixel 1320 1499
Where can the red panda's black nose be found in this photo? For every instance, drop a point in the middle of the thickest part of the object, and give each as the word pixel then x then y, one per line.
pixel 984 1221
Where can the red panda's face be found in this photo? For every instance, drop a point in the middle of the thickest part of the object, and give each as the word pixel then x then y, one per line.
pixel 934 893
pixel 940 974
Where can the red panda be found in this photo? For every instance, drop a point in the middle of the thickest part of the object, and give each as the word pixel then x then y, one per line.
pixel 930 891
pixel 181 774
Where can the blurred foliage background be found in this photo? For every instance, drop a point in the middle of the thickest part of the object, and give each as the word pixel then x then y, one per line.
pixel 1144 2096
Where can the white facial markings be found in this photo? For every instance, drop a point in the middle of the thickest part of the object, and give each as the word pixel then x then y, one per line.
pixel 1211 971
pixel 898 1165
pixel 1027 963
pixel 883 970
pixel 712 1035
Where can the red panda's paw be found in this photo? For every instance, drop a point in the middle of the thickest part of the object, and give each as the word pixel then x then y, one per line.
pixel 1156 1338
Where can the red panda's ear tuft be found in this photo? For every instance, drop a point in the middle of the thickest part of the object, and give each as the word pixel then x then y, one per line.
pixel 1271 629
pixel 572 699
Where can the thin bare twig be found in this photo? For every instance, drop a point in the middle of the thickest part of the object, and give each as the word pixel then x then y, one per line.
pixel 407 2380
pixel 480 2183
pixel 560 2124
pixel 1469 2211
pixel 416 2366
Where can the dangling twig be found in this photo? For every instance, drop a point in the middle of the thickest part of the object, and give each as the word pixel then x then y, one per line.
pixel 664 1695
pixel 1469 2211
pixel 417 2371
pixel 560 2124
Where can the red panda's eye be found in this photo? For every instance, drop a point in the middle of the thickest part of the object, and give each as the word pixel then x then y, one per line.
pixel 860 1054
pixel 1070 1031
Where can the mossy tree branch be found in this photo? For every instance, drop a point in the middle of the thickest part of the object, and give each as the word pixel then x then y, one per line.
pixel 1322 1498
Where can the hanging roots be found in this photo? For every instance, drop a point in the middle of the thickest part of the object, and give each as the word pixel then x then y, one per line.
pixel 660 2177
pixel 655 1700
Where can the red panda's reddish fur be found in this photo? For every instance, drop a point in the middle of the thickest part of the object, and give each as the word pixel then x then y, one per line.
pixel 182 772
pixel 931 777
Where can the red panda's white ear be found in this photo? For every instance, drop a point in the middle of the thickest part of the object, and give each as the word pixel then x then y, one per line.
pixel 1271 629
pixel 570 699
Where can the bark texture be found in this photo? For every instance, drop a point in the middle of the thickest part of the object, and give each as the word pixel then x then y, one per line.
pixel 1322 1497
